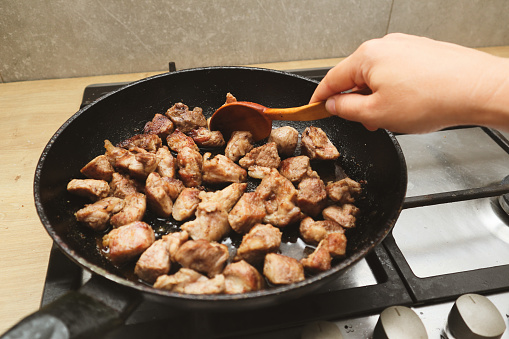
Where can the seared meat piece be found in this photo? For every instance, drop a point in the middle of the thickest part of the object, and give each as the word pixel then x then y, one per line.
pixel 345 215
pixel 160 125
pixel 336 244
pixel 186 204
pixel 137 162
pixel 316 145
pixel 258 172
pixel 227 197
pixel 249 211
pixel 191 282
pixel 240 143
pixel 230 98
pixel 280 269
pixel 99 168
pixel 220 169
pixel 312 197
pixel 127 242
pixel 190 164
pixel 204 137
pixel 184 119
pixel 175 240
pixel 286 139
pixel 114 154
pixel 155 261
pixel 260 240
pixel 167 164
pixel 122 185
pixel 280 199
pixel 211 222
pixel 313 232
pixel 265 155
pixel 159 193
pixel 98 214
pixel 90 188
pixel 343 191
pixel 134 210
pixel 182 277
pixel 203 256
pixel 296 168
pixel 175 187
pixel 319 260
pixel 178 140
pixel 148 142
pixel 240 277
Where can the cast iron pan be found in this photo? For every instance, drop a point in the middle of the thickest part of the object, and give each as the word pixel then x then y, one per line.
pixel 372 157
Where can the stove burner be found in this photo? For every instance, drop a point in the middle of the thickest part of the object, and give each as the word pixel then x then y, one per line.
pixel 503 200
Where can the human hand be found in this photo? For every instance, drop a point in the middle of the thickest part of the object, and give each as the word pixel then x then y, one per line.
pixel 418 85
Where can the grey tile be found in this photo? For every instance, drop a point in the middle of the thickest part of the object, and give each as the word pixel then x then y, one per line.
pixel 55 39
pixel 472 23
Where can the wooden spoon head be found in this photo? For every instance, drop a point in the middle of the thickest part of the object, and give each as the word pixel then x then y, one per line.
pixel 241 116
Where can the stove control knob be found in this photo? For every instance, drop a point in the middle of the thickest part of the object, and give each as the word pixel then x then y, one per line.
pixel 474 316
pixel 321 330
pixel 399 322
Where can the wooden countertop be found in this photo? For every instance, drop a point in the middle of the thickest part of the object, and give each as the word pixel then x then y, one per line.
pixel 31 112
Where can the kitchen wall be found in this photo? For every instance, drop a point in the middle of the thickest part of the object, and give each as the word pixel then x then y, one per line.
pixel 70 38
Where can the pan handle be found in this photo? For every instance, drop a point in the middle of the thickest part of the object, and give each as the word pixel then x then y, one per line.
pixel 98 306
pixel 453 196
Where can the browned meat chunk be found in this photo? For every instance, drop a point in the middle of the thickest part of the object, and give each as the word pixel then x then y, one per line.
pixel 260 240
pixel 344 191
pixel 313 232
pixel 148 142
pixel 184 119
pixel 99 168
pixel 280 199
pixel 127 242
pixel 158 195
pixel 175 240
pixel 319 260
pixel 220 169
pixel 286 139
pixel 122 185
pixel 160 125
pixel 249 211
pixel 204 137
pixel 98 214
pixel 137 162
pixel 211 222
pixel 227 197
pixel 230 98
pixel 134 210
pixel 90 188
pixel 240 277
pixel 345 215
pixel 240 143
pixel 167 164
pixel 296 168
pixel 312 197
pixel 258 172
pixel 316 145
pixel 175 187
pixel 178 140
pixel 203 256
pixel 155 261
pixel 336 244
pixel 282 270
pixel 265 155
pixel 190 282
pixel 190 164
pixel 186 204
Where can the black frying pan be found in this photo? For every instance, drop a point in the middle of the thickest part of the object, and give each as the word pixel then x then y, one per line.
pixel 374 157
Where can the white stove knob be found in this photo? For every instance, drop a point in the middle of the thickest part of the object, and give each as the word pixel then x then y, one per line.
pixel 321 330
pixel 474 316
pixel 399 322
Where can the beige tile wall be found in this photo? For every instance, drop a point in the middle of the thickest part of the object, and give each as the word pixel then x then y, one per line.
pixel 70 38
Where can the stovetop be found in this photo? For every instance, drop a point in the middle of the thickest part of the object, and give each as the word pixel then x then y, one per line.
pixel 451 239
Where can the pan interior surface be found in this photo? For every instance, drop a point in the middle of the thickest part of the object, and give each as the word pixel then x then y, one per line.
pixel 372 157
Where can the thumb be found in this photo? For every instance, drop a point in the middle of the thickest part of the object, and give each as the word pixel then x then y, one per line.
pixel 351 106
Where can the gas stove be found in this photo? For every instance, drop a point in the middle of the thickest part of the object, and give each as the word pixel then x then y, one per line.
pixel 451 239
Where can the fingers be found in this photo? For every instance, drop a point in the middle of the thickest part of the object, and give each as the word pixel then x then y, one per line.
pixel 353 106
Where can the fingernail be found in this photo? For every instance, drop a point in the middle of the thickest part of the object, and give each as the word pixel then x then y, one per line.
pixel 330 106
